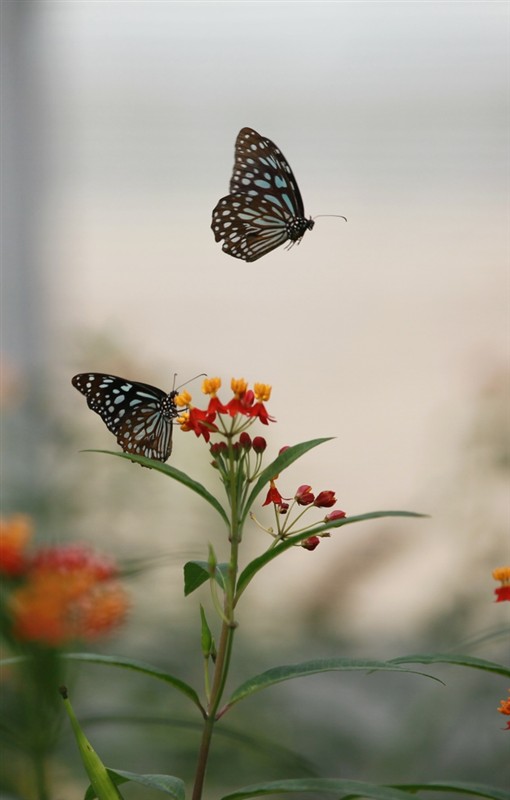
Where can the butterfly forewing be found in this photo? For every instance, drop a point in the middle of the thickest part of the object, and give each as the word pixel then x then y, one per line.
pixel 260 164
pixel 264 208
pixel 140 415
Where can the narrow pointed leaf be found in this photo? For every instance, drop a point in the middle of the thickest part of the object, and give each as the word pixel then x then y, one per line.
pixel 197 572
pixel 344 789
pixel 104 787
pixel 170 472
pixel 254 566
pixel 454 658
pixel 288 672
pixel 142 667
pixel 278 465
pixel 458 787
pixel 206 637
pixel 165 783
pixel 337 786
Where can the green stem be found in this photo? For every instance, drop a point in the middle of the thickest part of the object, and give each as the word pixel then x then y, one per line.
pixel 39 763
pixel 224 653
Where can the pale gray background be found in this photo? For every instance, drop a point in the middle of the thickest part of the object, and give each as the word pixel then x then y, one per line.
pixel 389 332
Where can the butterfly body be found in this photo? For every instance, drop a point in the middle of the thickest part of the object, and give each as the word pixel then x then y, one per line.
pixel 140 415
pixel 264 208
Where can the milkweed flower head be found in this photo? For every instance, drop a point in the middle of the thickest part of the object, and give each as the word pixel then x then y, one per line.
pixel 57 595
pixel 245 406
pixel 502 574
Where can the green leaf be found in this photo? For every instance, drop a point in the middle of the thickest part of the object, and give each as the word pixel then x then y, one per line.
pixel 254 566
pixel 139 666
pixel 171 472
pixel 165 783
pixel 289 671
pixel 278 465
pixel 349 788
pixel 104 787
pixel 328 785
pixel 206 637
pixel 454 658
pixel 458 787
pixel 197 572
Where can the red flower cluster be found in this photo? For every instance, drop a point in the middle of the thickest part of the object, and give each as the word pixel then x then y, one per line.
pixel 303 497
pixel 502 592
pixel 245 402
pixel 58 594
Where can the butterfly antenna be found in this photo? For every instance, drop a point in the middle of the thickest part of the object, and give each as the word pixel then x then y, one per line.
pixel 201 375
pixel 339 216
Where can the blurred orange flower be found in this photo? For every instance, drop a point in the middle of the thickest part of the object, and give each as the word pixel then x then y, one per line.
pixel 69 593
pixel 504 708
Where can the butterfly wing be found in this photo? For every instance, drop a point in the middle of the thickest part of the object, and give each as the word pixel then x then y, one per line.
pixel 138 414
pixel 264 208
pixel 260 164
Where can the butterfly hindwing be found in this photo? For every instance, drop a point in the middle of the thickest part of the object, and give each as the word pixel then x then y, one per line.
pixel 138 414
pixel 264 208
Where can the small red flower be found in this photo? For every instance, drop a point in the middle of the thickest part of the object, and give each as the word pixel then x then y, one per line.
pixel 304 495
pixel 216 406
pixel 325 499
pixel 502 592
pixel 311 543
pixel 273 495
pixel 283 508
pixel 210 386
pixel 199 421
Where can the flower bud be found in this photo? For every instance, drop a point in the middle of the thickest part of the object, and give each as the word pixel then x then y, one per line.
pixel 311 543
pixel 304 495
pixel 245 440
pixel 337 514
pixel 259 444
pixel 325 499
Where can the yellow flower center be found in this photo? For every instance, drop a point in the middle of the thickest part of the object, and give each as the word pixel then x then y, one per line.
pixel 211 386
pixel 183 399
pixel 262 392
pixel 502 574
pixel 238 386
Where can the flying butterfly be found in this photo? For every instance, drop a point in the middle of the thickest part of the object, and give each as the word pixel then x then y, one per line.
pixel 138 414
pixel 264 208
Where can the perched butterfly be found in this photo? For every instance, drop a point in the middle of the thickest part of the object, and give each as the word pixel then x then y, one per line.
pixel 264 208
pixel 138 414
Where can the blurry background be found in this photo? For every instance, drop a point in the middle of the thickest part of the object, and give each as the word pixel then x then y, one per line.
pixel 390 332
